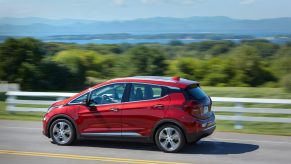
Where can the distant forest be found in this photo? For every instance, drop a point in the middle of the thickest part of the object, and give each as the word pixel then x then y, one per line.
pixel 49 66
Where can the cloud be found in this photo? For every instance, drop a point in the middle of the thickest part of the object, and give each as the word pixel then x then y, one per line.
pixel 247 2
pixel 119 2
pixel 150 2
pixel 189 2
pixel 183 2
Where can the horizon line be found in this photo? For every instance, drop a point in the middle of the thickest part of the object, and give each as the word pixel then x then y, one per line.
pixel 112 20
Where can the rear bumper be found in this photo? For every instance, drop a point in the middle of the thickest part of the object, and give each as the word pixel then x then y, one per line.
pixel 197 136
pixel 204 129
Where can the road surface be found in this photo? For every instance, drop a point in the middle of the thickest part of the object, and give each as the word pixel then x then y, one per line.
pixel 21 142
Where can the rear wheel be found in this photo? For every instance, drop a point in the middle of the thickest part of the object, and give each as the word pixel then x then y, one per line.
pixel 62 132
pixel 169 138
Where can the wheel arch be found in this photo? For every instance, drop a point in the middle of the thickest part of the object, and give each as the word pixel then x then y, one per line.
pixel 168 121
pixel 62 116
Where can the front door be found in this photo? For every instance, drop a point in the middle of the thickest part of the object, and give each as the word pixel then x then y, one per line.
pixel 102 117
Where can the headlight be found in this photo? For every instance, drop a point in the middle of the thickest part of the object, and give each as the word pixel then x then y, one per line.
pixel 53 107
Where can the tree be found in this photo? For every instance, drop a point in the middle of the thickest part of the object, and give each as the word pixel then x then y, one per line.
pixel 147 61
pixel 218 72
pixel 187 67
pixel 281 62
pixel 47 76
pixel 248 67
pixel 89 62
pixel 286 82
pixel 15 52
pixel 264 47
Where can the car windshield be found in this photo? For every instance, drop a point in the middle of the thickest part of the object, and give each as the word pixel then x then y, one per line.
pixel 196 93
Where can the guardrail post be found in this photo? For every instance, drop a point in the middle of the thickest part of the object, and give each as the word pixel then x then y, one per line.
pixel 10 105
pixel 238 123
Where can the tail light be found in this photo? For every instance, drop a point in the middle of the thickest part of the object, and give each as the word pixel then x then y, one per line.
pixel 196 109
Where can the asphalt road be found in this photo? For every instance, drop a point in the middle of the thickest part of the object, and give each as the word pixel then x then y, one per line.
pixel 21 142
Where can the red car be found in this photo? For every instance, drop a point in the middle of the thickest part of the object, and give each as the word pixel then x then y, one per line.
pixel 169 112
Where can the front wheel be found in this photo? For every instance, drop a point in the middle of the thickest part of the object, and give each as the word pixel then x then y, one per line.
pixel 169 138
pixel 62 132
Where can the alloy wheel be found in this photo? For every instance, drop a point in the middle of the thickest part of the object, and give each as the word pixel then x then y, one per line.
pixel 169 139
pixel 62 132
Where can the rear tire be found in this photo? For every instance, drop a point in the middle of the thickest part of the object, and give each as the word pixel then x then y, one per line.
pixel 169 138
pixel 62 132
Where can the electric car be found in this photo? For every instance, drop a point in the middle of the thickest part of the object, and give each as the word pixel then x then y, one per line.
pixel 167 111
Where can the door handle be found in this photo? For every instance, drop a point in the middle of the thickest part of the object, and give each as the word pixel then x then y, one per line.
pixel 159 106
pixel 114 109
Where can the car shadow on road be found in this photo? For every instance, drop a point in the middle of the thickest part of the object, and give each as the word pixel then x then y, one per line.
pixel 202 147
pixel 218 147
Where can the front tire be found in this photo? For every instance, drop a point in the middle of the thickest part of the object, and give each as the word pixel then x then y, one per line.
pixel 62 132
pixel 169 138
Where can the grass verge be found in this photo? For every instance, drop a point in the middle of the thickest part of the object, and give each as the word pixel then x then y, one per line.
pixel 249 127
pixel 35 116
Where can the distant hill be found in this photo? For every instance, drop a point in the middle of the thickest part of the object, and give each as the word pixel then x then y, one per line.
pixel 33 26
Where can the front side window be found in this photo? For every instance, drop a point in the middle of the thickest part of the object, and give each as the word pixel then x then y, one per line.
pixel 108 94
pixel 80 99
pixel 145 92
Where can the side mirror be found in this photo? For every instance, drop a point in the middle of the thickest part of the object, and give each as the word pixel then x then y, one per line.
pixel 91 105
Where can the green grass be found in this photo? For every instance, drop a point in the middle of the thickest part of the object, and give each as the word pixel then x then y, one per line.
pixel 255 128
pixel 35 116
pixel 255 114
pixel 248 92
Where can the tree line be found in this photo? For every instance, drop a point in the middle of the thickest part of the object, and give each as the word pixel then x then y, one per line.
pixel 49 66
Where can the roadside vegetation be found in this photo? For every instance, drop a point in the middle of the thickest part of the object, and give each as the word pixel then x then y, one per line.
pixel 251 68
pixel 42 66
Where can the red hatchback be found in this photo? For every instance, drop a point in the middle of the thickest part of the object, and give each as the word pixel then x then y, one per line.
pixel 169 112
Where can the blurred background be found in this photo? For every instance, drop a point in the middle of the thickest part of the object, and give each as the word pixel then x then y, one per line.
pixel 235 48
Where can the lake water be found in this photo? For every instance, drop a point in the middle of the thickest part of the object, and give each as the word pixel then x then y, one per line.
pixel 120 41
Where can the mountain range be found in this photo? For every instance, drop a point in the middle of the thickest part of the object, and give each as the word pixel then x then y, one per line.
pixel 33 26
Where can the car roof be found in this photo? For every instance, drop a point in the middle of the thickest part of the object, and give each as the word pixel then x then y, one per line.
pixel 161 80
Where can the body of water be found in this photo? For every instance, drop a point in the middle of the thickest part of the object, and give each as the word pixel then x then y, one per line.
pixel 120 41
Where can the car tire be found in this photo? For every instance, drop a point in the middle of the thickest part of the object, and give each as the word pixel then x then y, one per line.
pixel 62 132
pixel 170 138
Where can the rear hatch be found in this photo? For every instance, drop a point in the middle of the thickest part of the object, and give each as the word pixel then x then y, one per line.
pixel 198 101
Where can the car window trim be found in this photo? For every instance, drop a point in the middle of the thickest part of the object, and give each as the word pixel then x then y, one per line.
pixel 70 103
pixel 166 94
pixel 145 100
pixel 126 93
pixel 89 91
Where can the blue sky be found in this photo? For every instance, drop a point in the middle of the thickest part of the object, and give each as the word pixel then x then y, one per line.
pixel 132 9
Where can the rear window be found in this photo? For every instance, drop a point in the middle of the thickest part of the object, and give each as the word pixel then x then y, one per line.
pixel 196 93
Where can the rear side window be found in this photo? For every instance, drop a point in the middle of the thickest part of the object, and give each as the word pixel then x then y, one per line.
pixel 196 93
pixel 145 92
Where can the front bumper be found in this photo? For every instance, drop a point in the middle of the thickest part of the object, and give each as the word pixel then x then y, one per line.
pixel 44 126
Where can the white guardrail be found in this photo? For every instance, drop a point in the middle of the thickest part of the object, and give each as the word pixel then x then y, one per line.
pixel 14 105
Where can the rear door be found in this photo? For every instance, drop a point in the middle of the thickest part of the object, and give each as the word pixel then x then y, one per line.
pixel 146 105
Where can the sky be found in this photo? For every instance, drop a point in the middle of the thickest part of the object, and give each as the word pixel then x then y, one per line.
pixel 108 10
